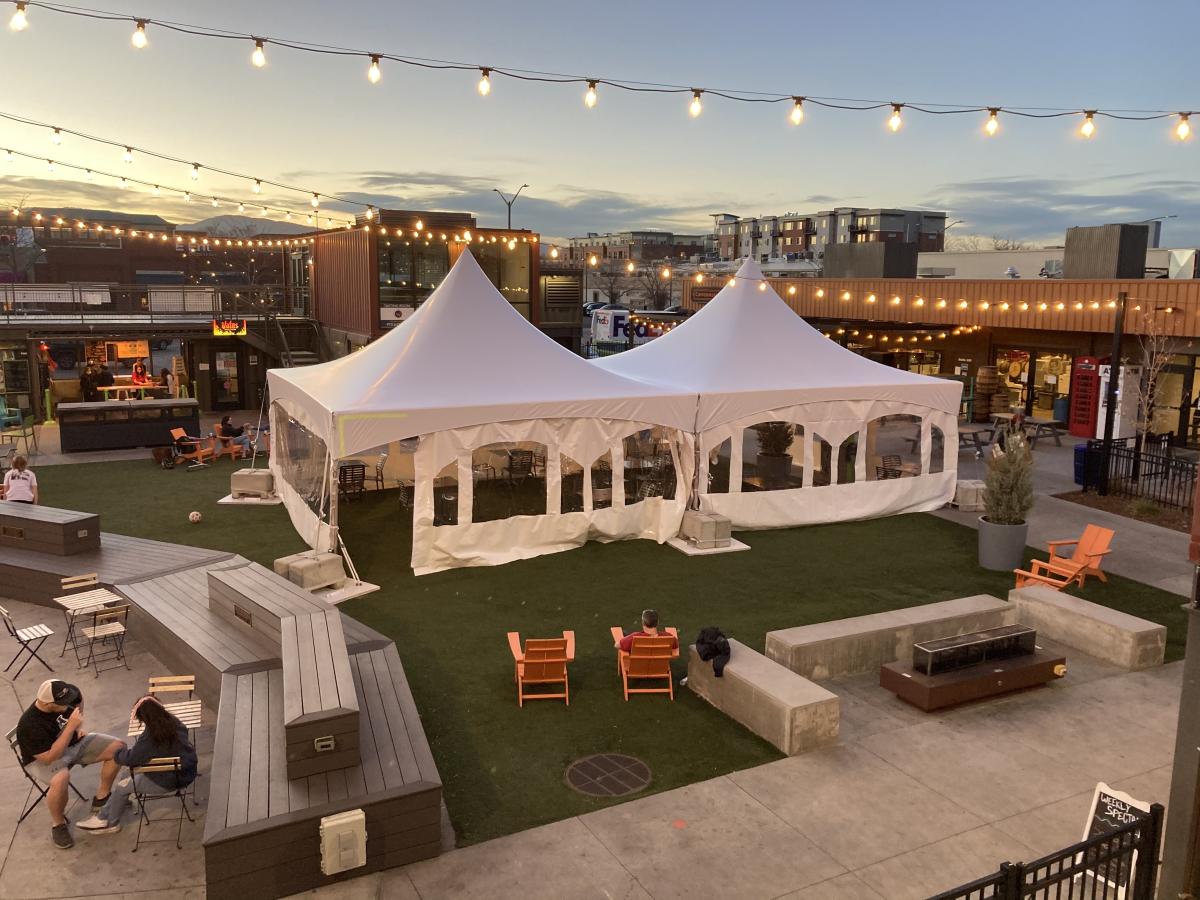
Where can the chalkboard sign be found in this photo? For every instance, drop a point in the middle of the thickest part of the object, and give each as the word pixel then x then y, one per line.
pixel 16 375
pixel 1111 810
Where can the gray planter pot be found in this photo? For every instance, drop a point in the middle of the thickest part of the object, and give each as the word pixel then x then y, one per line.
pixel 1001 547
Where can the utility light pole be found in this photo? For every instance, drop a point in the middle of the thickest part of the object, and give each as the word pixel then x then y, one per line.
pixel 510 201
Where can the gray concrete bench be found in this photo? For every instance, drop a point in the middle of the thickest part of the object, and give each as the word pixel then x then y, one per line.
pixel 778 705
pixel 1107 634
pixel 864 643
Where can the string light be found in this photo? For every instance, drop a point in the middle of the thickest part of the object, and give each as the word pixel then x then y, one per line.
pixel 1088 128
pixel 993 123
pixel 315 201
pixel 19 20
pixel 820 293
pixel 370 213
pixel 1183 129
pixel 485 82
pixel 373 73
pixel 214 203
pixel 195 171
pixel 420 225
pixel 871 298
pixel 124 182
pixel 187 197
pixel 241 207
pixel 797 113
pixel 259 56
pixel 895 121
pixel 88 174
pixel 695 107
pixel 157 192
pixel 589 99
pixel 8 156
pixel 593 260
pixel 49 165
pixel 56 137
pixel 629 267
pixel 257 187
pixel 127 156
pixel 138 39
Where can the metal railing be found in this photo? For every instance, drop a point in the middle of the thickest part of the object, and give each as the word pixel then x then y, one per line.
pixel 82 304
pixel 1151 472
pixel 1122 863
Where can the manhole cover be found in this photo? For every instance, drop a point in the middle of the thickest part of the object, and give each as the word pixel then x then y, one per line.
pixel 608 775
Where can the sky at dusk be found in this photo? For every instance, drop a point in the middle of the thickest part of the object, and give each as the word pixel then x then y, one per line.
pixel 425 139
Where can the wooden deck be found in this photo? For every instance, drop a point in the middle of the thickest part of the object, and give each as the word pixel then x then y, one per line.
pixel 261 836
pixel 36 577
pixel 261 831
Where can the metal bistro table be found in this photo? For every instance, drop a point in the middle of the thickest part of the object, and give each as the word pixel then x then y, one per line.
pixel 79 606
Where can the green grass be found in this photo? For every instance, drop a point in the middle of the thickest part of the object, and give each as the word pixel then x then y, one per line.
pixel 503 766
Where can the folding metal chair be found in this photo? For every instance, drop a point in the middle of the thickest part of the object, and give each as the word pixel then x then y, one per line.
pixel 146 791
pixel 30 639
pixel 109 631
pixel 34 785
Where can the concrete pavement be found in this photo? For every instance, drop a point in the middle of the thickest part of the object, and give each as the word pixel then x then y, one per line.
pixel 1143 552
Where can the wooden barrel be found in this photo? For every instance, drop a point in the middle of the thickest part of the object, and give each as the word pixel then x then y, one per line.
pixel 987 380
pixel 1001 402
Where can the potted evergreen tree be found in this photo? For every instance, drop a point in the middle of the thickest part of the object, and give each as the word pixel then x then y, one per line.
pixel 1007 499
pixel 774 462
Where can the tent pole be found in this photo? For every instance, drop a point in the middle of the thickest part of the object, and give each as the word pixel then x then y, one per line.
pixel 694 501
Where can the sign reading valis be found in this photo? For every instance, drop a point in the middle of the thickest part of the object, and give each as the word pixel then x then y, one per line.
pixel 229 327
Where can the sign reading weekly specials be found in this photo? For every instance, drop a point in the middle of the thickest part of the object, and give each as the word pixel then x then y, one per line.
pixel 1110 810
pixel 229 327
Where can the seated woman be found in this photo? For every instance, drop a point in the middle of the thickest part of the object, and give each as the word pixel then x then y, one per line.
pixel 237 435
pixel 164 735
pixel 140 375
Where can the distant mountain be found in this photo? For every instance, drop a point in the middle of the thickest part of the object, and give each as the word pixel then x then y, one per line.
pixel 244 226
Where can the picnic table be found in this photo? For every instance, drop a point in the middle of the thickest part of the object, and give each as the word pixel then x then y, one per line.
pixel 1034 427
pixel 972 434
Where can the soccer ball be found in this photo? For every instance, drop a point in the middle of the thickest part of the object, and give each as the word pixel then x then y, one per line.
pixel 194 517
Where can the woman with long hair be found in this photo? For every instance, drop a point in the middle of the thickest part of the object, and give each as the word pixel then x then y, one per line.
pixel 163 735
pixel 20 484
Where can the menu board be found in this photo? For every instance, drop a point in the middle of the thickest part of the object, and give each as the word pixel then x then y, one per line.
pixel 1111 810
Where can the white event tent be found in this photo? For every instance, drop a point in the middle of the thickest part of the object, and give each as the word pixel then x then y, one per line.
pixel 466 371
pixel 867 439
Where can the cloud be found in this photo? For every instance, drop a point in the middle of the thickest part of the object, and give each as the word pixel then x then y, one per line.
pixel 1040 208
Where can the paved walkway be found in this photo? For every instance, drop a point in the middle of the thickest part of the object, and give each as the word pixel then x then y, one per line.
pixel 1147 553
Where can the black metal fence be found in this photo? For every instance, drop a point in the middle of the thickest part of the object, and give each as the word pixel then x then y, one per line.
pixel 1152 472
pixel 1122 863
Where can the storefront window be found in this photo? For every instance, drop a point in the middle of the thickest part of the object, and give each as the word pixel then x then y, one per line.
pixel 508 270
pixel 1037 381
pixel 410 270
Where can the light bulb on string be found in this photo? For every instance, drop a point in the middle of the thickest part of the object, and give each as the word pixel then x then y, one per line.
pixel 797 113
pixel 370 213
pixel 373 73
pixel 1088 128
pixel 1183 129
pixel 49 165
pixel 157 192
pixel 259 56
pixel 257 186
pixel 420 225
pixel 895 121
pixel 288 215
pixel 589 99
pixel 8 156
pixel 124 182
pixel 315 201
pixel 195 171
pixel 629 267
pixel 127 156
pixel 214 202
pixel 56 137
pixel 993 123
pixel 187 197
pixel 87 173
pixel 695 107
pixel 19 21
pixel 485 82
pixel 308 220
pixel 138 39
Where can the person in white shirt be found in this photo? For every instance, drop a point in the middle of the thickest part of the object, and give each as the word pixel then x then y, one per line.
pixel 20 484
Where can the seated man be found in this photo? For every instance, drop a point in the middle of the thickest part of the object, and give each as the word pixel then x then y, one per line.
pixel 649 629
pixel 51 738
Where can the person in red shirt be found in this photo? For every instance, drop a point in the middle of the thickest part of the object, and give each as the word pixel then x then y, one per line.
pixel 649 629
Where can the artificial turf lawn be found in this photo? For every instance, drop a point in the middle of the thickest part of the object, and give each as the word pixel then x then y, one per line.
pixel 502 766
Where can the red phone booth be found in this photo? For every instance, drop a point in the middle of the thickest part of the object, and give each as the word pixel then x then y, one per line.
pixel 1085 396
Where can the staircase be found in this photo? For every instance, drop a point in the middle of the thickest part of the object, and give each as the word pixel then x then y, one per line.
pixel 296 342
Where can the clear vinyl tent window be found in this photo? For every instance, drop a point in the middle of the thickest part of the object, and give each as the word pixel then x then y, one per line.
pixel 649 467
pixel 822 452
pixel 445 495
pixel 847 459
pixel 937 450
pixel 718 467
pixel 509 479
pixel 893 447
pixel 571 476
pixel 602 481
pixel 772 456
pixel 303 460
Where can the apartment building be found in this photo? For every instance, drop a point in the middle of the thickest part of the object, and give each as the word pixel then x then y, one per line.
pixel 805 235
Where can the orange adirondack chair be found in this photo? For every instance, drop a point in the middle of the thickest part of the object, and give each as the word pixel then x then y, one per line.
pixel 543 661
pixel 649 658
pixel 1059 571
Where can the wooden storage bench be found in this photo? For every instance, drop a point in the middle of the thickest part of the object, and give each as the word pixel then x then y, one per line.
pixel 44 529
pixel 320 706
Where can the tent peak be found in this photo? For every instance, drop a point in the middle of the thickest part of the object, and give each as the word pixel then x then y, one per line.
pixel 750 270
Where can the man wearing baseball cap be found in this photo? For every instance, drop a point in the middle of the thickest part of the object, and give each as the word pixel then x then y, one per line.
pixel 51 738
